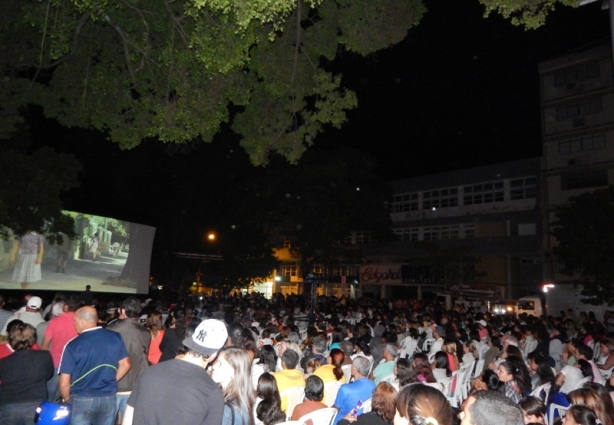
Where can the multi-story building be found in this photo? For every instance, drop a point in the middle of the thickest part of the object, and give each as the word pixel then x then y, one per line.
pixel 577 104
pixel 490 213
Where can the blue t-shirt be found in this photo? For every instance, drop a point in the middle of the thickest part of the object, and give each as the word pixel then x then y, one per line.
pixel 350 394
pixel 91 360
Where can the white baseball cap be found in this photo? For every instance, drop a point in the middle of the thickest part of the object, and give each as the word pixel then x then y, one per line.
pixel 208 338
pixel 34 303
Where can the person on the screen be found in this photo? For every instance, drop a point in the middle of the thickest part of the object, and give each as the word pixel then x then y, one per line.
pixel 94 245
pixel 27 255
pixel 64 251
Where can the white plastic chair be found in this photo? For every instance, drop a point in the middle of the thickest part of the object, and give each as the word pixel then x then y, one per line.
pixel 330 392
pixel 464 382
pixel 347 371
pixel 479 367
pixel 545 388
pixel 291 423
pixel 294 396
pixel 365 408
pixel 320 416
pixel 388 378
pixel 427 344
pixel 555 408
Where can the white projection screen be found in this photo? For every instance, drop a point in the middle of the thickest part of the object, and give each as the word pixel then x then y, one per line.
pixel 108 254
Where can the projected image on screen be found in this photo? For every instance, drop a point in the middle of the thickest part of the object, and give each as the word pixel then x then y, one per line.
pixel 108 254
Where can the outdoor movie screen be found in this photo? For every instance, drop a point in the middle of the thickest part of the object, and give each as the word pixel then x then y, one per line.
pixel 108 254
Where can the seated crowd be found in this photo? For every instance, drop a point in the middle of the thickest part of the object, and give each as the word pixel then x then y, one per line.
pixel 245 360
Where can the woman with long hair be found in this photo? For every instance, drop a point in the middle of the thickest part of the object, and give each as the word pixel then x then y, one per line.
pixel 441 366
pixel 449 347
pixel 404 374
pixel 424 371
pixel 266 389
pixel 172 340
pixel 470 353
pixel 515 378
pixel 154 324
pixel 487 380
pixel 580 415
pixel 232 371
pixel 332 370
pixel 382 411
pixel 422 405
pixel 602 406
pixel 268 358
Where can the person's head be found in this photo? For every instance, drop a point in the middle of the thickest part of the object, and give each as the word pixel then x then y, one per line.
pixel 269 412
pixel 347 347
pixel 603 407
pixel 606 346
pixel 21 336
pixel 533 410
pixel 419 359
pixel 585 367
pixel 420 404
pixel 318 345
pixel 268 357
pixel 235 335
pixel 154 321
pixel 314 388
pixel 267 386
pixel 360 367
pixel 404 372
pixel 383 401
pixel 442 362
pixel 490 408
pixel 131 307
pixel 312 364
pixel 514 369
pixel 289 359
pixel 487 380
pixel 584 352
pixel 208 338
pixel 232 370
pixel 336 358
pixel 34 304
pixel 390 352
pixel 579 415
pixel 86 318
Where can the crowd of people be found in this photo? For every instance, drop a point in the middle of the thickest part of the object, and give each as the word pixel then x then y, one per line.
pixel 246 360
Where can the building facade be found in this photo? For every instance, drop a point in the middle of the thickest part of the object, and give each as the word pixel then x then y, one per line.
pixel 577 106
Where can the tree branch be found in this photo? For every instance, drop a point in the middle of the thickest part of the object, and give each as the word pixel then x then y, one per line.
pixel 177 22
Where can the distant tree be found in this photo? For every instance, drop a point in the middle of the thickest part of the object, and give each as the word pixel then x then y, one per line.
pixel 584 230
pixel 176 70
pixel 318 204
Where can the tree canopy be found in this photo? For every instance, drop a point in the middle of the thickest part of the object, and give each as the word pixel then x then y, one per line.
pixel 585 233
pixel 175 70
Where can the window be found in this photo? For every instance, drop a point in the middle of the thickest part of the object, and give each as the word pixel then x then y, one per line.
pixel 579 144
pixel 407 235
pixel 584 180
pixel 530 261
pixel 405 202
pixel 469 231
pixel 523 188
pixel 287 242
pixel 362 238
pixel 526 229
pixel 440 198
pixel 580 109
pixel 483 193
pixel 289 269
pixel 586 71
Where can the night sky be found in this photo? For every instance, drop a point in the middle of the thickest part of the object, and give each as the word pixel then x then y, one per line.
pixel 459 91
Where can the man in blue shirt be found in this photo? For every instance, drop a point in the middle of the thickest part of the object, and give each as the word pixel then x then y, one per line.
pixel 360 390
pixel 90 367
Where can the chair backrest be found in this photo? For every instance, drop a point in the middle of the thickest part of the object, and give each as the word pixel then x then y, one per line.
pixel 427 344
pixel 388 378
pixel 291 423
pixel 347 371
pixel 555 409
pixel 366 407
pixel 582 382
pixel 320 416
pixel 479 367
pixel 542 392
pixel 483 349
pixel 294 396
pixel 330 392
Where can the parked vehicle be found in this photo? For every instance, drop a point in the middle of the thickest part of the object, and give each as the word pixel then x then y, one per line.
pixel 559 298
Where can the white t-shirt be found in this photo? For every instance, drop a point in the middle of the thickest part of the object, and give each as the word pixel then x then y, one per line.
pixel 573 376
